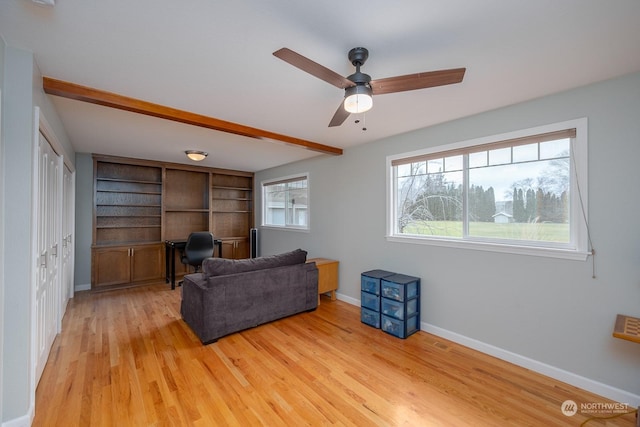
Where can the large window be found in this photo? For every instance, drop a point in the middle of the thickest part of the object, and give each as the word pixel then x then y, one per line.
pixel 520 192
pixel 285 202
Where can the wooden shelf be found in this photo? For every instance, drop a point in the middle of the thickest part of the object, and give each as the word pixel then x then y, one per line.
pixel 132 181
pixel 221 187
pixel 126 226
pixel 155 193
pixel 131 216
pixel 129 205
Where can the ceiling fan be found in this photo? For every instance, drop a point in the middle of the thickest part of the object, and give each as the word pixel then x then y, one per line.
pixel 359 87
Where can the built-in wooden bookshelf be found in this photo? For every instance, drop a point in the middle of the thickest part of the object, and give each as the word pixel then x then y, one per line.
pixel 139 204
pixel 186 202
pixel 232 212
pixel 128 202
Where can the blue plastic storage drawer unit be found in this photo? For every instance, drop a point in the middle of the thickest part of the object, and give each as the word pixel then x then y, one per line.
pixel 400 287
pixel 399 309
pixel 370 301
pixel 370 317
pixel 400 328
pixel 370 280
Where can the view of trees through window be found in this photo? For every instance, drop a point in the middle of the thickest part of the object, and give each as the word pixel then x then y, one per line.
pixel 518 191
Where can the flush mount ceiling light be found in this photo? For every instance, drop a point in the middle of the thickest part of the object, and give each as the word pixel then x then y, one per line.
pixel 195 155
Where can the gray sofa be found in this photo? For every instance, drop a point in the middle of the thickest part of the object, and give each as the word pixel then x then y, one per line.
pixel 232 295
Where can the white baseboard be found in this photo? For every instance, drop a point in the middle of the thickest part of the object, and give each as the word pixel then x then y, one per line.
pixel 584 383
pixel 604 390
pixel 23 421
pixel 84 287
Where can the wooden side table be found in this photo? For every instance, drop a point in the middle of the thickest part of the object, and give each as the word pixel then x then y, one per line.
pixel 627 328
pixel 327 276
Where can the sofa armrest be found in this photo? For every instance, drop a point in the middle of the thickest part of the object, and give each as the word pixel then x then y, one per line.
pixel 198 309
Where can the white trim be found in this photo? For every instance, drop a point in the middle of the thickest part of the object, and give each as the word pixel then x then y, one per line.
pixel 556 373
pixel 285 228
pixel 494 247
pixel 55 143
pixel 579 218
pixel 300 176
pixel 2 266
pixel 35 256
pixel 84 287
pixel 23 421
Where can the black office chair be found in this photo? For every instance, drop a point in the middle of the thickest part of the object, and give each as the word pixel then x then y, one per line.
pixel 199 246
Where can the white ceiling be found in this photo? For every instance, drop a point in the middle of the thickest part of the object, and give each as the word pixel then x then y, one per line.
pixel 215 58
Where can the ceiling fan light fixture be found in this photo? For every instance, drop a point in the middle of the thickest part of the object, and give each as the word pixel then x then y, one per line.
pixel 195 155
pixel 358 99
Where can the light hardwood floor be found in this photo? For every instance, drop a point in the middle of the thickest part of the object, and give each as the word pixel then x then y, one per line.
pixel 126 358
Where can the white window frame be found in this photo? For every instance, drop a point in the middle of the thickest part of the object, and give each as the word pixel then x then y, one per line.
pixel 578 249
pixel 295 177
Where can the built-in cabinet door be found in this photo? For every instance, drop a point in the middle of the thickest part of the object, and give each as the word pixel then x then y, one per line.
pixel 119 265
pixel 48 294
pixel 111 266
pixel 147 262
pixel 235 248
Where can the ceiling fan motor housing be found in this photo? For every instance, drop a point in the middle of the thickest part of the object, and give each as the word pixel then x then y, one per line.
pixel 358 56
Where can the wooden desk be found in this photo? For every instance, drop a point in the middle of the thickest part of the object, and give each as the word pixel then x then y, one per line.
pixel 327 276
pixel 627 328
pixel 170 247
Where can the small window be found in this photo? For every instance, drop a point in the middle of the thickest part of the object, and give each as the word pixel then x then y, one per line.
pixel 522 192
pixel 286 202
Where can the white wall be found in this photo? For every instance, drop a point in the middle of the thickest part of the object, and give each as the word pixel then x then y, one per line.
pixel 547 310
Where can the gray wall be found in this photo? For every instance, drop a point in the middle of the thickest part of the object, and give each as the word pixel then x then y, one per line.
pixel 84 220
pixel 21 92
pixel 2 181
pixel 549 310
pixel 17 128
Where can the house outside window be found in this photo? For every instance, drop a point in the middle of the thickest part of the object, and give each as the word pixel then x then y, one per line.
pixel 286 202
pixel 522 192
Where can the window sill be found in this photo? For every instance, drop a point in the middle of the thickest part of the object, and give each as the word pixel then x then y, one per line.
pixel 570 254
pixel 283 228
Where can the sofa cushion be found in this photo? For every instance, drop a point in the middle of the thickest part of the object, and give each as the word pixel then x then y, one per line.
pixel 222 267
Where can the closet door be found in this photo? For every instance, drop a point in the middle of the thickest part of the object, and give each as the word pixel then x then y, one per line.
pixel 48 295
pixel 68 221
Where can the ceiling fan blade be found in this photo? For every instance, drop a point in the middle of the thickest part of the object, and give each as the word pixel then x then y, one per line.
pixel 417 81
pixel 339 117
pixel 313 68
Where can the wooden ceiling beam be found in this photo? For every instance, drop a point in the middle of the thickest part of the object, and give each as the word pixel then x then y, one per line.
pixel 108 99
